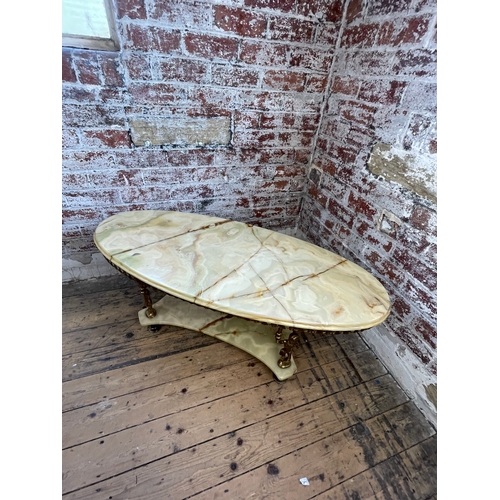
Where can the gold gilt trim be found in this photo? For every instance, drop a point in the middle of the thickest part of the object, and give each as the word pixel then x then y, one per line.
pixel 288 344
pixel 148 303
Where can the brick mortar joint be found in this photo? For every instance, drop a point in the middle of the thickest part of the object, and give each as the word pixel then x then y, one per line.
pixel 220 33
pixel 149 5
pixel 385 78
pixel 427 40
pixel 326 96
pixel 392 16
pixel 222 62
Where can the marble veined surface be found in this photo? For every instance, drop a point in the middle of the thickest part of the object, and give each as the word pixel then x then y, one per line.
pixel 243 270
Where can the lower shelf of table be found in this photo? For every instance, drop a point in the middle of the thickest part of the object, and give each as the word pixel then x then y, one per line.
pixel 250 336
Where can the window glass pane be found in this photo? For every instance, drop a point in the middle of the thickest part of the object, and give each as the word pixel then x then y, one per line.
pixel 87 18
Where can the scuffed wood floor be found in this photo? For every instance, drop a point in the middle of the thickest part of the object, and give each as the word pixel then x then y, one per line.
pixel 177 414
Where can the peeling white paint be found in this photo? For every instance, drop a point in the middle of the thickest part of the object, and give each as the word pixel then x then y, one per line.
pixel 417 173
pixel 383 225
pixel 404 366
pixel 74 270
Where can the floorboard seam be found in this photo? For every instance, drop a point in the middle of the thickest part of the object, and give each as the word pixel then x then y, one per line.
pixel 378 464
pixel 239 429
pixel 175 380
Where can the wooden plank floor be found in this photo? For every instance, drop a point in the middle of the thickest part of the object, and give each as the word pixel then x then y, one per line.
pixel 176 414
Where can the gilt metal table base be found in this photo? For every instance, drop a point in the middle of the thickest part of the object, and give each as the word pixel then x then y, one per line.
pixel 148 303
pixel 288 344
pixel 270 344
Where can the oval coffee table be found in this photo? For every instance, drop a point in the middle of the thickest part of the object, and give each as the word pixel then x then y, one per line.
pixel 248 286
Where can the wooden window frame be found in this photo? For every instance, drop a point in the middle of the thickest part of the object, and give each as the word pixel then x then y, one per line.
pixel 93 42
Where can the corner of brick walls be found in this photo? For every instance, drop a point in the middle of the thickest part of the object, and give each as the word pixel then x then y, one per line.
pixel 382 97
pixel 260 66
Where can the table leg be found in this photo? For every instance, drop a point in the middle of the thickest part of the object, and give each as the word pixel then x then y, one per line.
pixel 289 343
pixel 148 304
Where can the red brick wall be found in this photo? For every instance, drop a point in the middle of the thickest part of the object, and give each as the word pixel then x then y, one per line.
pixel 262 63
pixel 311 89
pixel 382 89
